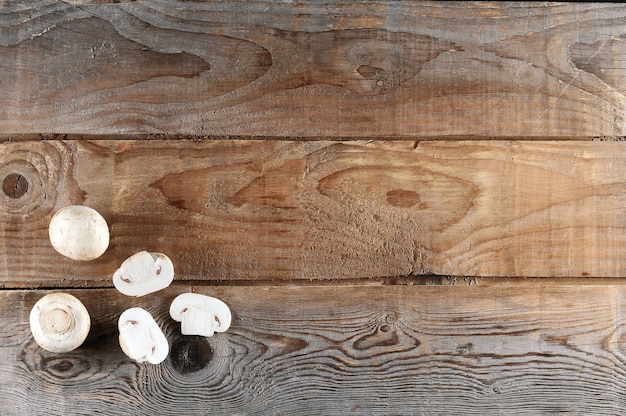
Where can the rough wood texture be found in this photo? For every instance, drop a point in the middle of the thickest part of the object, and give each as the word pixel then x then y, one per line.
pixel 315 68
pixel 263 210
pixel 335 351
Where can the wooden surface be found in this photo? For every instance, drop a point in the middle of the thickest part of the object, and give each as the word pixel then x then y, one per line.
pixel 268 210
pixel 410 207
pixel 402 350
pixel 314 68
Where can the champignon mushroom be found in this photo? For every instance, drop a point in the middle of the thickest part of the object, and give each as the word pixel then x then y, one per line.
pixel 59 322
pixel 141 338
pixel 200 314
pixel 144 273
pixel 79 232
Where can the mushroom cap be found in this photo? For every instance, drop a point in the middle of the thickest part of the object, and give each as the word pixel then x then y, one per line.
pixel 144 273
pixel 59 322
pixel 79 232
pixel 200 314
pixel 141 338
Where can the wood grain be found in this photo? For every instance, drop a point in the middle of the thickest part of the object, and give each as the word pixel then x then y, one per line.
pixel 315 68
pixel 267 210
pixel 335 351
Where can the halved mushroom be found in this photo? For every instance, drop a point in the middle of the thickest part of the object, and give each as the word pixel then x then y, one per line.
pixel 144 273
pixel 59 322
pixel 79 232
pixel 141 338
pixel 200 314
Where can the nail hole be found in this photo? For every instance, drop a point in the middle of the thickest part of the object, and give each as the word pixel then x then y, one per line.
pixel 14 185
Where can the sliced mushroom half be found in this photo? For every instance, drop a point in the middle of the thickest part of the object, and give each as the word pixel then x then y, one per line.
pixel 59 322
pixel 141 338
pixel 144 273
pixel 200 314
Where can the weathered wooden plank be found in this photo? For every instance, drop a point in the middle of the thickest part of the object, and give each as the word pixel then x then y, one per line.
pixel 335 351
pixel 314 68
pixel 264 210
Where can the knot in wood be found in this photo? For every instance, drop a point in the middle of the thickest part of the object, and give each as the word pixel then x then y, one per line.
pixel 190 354
pixel 14 185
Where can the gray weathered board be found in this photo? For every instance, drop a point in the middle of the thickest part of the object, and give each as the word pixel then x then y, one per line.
pixel 397 350
pixel 312 68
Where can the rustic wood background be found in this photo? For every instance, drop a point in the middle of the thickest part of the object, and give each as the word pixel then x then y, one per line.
pixel 411 208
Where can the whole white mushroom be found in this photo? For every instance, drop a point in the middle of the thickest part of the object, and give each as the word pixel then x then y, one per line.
pixel 59 322
pixel 79 233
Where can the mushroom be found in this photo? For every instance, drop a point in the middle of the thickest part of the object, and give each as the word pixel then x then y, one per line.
pixel 144 273
pixel 59 322
pixel 200 314
pixel 141 338
pixel 79 232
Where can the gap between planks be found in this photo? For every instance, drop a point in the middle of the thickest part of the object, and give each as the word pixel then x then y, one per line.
pixel 434 280
pixel 6 137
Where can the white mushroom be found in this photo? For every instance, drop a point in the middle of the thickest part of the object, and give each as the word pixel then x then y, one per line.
pixel 144 273
pixel 59 322
pixel 79 232
pixel 200 314
pixel 141 338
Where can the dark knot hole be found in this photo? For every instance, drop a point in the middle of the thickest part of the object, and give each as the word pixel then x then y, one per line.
pixel 14 185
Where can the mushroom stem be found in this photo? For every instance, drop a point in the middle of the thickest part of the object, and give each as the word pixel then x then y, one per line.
pixel 136 341
pixel 198 322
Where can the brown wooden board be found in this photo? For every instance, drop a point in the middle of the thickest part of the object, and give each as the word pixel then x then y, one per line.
pixel 265 210
pixel 401 350
pixel 314 68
